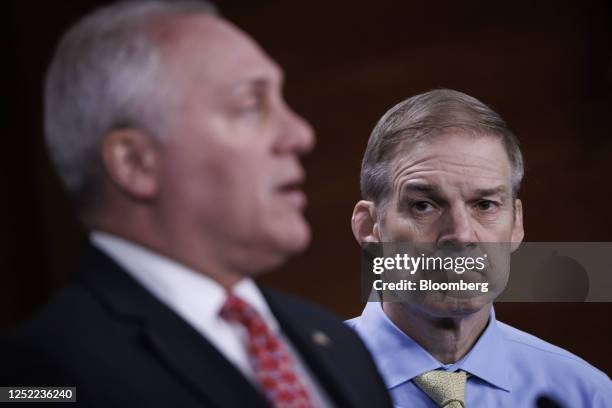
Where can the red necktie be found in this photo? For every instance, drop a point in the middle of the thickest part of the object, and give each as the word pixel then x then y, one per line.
pixel 269 357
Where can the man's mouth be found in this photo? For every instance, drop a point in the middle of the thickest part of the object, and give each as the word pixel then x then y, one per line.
pixel 293 192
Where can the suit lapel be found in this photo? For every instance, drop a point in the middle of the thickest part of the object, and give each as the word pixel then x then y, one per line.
pixel 317 349
pixel 174 342
pixel 201 366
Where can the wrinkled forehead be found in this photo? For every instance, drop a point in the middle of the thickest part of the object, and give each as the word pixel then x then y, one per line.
pixel 454 158
pixel 204 47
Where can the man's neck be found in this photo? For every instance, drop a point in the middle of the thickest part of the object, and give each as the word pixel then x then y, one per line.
pixel 166 245
pixel 448 339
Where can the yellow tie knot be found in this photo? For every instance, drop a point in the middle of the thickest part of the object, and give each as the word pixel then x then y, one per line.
pixel 446 389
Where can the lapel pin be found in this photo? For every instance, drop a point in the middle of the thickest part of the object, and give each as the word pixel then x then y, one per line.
pixel 320 338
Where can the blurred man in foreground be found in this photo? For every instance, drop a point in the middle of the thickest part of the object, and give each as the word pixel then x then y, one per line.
pixel 168 127
pixel 442 169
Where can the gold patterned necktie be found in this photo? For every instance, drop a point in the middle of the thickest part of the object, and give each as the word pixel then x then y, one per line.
pixel 446 389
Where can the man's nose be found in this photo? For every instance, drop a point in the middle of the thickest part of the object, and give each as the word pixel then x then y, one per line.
pixel 296 135
pixel 457 227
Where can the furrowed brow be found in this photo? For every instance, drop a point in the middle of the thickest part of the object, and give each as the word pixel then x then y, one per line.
pixel 422 188
pixel 493 191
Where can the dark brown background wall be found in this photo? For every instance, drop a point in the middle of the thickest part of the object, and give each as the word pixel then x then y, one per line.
pixel 546 67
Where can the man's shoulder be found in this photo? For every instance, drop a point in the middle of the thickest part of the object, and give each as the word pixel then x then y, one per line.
pixel 550 357
pixel 530 343
pixel 43 347
pixel 289 305
pixel 69 310
pixel 352 323
pixel 72 321
pixel 308 321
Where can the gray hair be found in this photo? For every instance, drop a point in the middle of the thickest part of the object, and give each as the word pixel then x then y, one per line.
pixel 424 116
pixel 106 74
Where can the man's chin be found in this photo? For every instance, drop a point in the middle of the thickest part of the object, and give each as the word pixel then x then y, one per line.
pixel 295 238
pixel 449 306
pixel 276 250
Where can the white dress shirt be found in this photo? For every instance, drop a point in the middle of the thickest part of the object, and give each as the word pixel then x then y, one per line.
pixel 198 299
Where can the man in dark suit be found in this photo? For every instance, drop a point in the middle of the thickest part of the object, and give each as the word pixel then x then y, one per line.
pixel 168 127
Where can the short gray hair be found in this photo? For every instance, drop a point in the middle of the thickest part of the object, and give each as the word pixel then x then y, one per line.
pixel 427 115
pixel 106 74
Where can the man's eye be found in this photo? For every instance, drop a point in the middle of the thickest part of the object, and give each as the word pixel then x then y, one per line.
pixel 487 205
pixel 422 207
pixel 253 105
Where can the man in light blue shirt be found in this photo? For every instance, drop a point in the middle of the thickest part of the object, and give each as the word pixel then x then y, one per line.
pixel 443 170
pixel 508 367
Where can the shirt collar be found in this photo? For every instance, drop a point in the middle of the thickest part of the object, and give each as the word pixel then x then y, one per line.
pixel 191 294
pixel 399 358
pixel 488 359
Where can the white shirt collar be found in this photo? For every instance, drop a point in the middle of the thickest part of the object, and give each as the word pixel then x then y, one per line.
pixel 193 295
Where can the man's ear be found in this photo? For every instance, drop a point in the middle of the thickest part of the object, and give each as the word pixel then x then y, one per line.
pixel 131 160
pixel 517 231
pixel 364 222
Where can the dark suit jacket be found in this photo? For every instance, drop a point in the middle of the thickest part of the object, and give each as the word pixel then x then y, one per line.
pixel 121 347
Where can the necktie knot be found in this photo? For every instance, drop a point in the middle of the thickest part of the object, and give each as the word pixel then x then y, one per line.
pixel 237 310
pixel 445 388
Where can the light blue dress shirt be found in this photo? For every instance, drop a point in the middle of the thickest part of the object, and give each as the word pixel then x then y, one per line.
pixel 508 367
